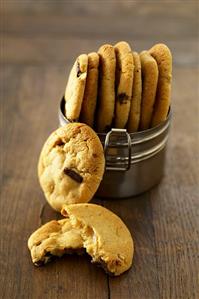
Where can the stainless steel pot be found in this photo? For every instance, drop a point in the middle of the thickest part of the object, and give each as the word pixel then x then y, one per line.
pixel 134 161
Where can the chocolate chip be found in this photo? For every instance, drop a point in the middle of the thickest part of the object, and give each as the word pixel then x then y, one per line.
pixel 60 142
pixel 39 263
pixel 74 175
pixel 118 262
pixel 47 258
pixel 78 69
pixel 123 98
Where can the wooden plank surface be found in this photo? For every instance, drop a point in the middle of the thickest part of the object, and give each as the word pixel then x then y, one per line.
pixel 62 52
pixel 39 46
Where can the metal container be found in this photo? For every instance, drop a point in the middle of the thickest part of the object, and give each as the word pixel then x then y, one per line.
pixel 134 161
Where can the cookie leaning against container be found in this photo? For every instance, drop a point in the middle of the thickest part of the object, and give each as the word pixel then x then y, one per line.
pixel 71 165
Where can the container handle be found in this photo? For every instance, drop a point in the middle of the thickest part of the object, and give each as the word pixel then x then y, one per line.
pixel 106 146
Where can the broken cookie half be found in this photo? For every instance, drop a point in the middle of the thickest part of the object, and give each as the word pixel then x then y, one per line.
pixel 54 238
pixel 87 227
pixel 105 237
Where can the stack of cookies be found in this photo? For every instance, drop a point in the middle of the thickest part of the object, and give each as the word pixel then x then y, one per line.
pixel 70 169
pixel 117 87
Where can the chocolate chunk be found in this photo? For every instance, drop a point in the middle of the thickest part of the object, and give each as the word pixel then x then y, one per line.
pixel 60 142
pixel 74 175
pixel 39 263
pixel 123 98
pixel 78 69
pixel 47 258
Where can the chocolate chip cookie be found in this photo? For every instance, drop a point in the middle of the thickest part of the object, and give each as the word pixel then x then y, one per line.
pixel 71 165
pixel 149 86
pixel 90 92
pixel 106 96
pixel 134 114
pixel 75 88
pixel 54 238
pixel 163 57
pixel 124 82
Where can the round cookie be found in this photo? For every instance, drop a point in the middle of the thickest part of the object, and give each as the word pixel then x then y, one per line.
pixel 149 86
pixel 105 236
pixel 134 114
pixel 124 82
pixel 90 92
pixel 75 88
pixel 162 55
pixel 54 238
pixel 106 95
pixel 71 165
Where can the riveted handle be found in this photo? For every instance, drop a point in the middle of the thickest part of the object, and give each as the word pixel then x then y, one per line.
pixel 118 132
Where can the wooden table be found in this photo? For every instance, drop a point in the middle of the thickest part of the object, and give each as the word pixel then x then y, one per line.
pixel 40 43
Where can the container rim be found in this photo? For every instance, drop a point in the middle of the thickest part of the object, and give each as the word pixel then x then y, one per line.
pixel 137 137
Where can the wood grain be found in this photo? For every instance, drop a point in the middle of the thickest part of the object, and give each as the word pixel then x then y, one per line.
pixel 39 44
pixel 173 18
pixel 43 50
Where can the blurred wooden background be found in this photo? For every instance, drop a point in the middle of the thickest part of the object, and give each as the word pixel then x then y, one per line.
pixel 55 32
pixel 39 42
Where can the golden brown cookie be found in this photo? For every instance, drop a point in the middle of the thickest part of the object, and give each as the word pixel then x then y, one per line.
pixel 105 236
pixel 54 238
pixel 149 86
pixel 75 88
pixel 71 165
pixel 106 95
pixel 90 92
pixel 163 57
pixel 124 82
pixel 134 114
